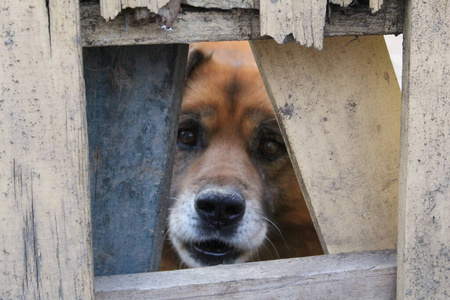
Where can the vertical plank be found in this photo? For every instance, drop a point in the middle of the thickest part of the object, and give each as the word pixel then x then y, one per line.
pixel 45 250
pixel 340 110
pixel 424 193
pixel 302 20
pixel 133 95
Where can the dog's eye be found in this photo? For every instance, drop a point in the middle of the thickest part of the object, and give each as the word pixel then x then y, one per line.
pixel 271 147
pixel 187 137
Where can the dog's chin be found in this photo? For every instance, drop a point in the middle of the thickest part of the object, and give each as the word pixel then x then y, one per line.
pixel 209 253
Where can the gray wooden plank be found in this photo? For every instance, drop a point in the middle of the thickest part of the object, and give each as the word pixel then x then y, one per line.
pixel 366 275
pixel 424 193
pixel 196 25
pixel 223 4
pixel 133 98
pixel 45 250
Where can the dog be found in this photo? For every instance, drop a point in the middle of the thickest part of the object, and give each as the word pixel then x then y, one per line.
pixel 234 195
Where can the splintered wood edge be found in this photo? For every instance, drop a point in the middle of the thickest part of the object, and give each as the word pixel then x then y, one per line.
pixel 368 275
pixel 111 8
pixel 227 25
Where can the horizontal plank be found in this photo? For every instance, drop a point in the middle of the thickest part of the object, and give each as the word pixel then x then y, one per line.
pixel 189 27
pixel 363 275
pixel 196 25
pixel 223 4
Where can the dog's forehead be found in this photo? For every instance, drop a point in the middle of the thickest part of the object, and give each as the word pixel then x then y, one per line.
pixel 222 96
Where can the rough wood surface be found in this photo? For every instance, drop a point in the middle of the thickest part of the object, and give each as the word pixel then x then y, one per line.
pixel 343 3
pixel 375 5
pixel 111 8
pixel 369 275
pixel 134 95
pixel 340 110
pixel 303 20
pixel 360 20
pixel 424 218
pixel 45 250
pixel 227 25
pixel 223 4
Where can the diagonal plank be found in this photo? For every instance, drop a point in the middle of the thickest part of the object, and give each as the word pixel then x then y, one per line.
pixel 340 110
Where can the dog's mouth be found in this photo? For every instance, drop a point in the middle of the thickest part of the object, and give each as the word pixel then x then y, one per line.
pixel 213 252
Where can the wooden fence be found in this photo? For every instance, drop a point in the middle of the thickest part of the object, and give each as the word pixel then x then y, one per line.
pixel 374 172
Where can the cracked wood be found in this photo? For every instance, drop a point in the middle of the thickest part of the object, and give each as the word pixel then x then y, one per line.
pixel 45 214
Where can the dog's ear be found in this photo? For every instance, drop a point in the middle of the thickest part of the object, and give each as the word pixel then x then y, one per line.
pixel 196 58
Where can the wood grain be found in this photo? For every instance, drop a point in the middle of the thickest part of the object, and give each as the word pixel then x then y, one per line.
pixel 45 250
pixel 223 4
pixel 302 20
pixel 111 8
pixel 369 275
pixel 424 206
pixel 196 25
pixel 340 111
pixel 134 96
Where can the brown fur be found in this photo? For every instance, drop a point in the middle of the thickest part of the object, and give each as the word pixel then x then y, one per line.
pixel 225 93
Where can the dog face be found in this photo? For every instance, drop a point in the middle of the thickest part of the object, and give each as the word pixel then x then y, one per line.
pixel 232 178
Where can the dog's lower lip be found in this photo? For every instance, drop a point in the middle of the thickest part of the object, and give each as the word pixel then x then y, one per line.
pixel 212 248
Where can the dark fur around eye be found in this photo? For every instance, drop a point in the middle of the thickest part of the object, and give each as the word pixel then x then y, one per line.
pixel 189 135
pixel 270 144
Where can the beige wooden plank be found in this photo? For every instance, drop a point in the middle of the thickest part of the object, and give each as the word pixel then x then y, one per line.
pixel 424 193
pixel 369 275
pixel 45 248
pixel 340 110
pixel 304 20
pixel 226 25
pixel 111 8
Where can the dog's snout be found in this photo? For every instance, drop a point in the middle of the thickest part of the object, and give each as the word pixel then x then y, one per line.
pixel 220 208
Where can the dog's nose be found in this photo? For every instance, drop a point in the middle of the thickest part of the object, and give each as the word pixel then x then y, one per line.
pixel 220 208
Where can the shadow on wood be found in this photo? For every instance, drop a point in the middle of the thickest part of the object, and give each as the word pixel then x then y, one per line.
pixel 133 98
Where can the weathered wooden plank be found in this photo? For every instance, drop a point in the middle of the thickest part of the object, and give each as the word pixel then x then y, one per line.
pixel 360 21
pixel 369 275
pixel 340 111
pixel 188 28
pixel 375 5
pixel 227 25
pixel 302 20
pixel 133 99
pixel 223 4
pixel 111 8
pixel 424 193
pixel 45 250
